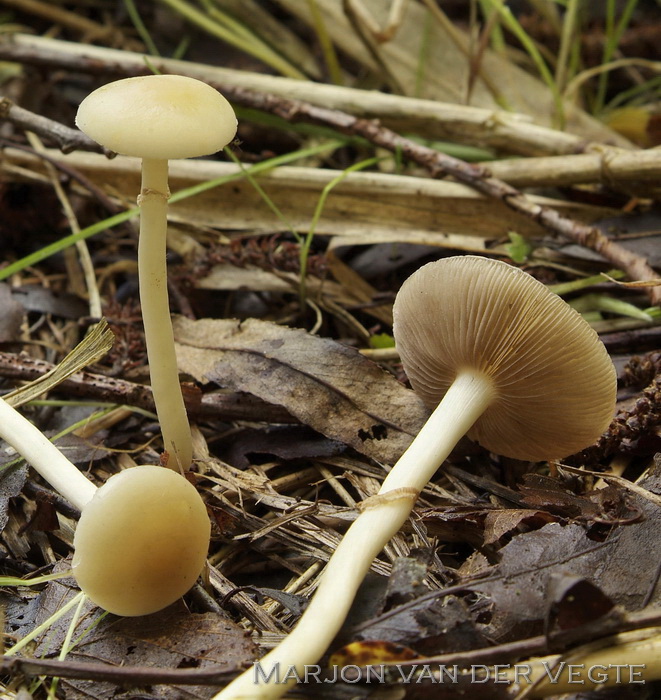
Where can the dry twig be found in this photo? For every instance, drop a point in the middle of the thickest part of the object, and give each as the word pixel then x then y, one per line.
pixel 66 139
pixel 225 406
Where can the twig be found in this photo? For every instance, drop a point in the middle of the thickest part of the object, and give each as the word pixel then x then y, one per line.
pixel 113 390
pixel 638 340
pixel 120 675
pixel 67 139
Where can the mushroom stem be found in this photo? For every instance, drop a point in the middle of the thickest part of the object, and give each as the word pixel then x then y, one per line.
pixel 383 515
pixel 40 452
pixel 159 337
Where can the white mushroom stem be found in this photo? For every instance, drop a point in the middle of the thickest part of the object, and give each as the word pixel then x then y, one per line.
pixel 159 338
pixel 40 452
pixel 466 400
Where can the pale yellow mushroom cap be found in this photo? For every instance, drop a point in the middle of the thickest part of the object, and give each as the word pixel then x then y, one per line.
pixel 141 541
pixel 554 380
pixel 158 116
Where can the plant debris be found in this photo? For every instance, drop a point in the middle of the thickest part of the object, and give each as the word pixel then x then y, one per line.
pixel 373 137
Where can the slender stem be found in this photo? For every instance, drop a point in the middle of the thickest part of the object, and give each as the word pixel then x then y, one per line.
pixel 37 449
pixel 159 337
pixel 464 403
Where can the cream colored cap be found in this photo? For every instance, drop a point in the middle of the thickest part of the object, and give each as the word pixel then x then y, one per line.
pixel 555 382
pixel 141 541
pixel 158 116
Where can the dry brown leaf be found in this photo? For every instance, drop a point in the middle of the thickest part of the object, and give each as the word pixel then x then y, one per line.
pixel 172 638
pixel 623 567
pixel 326 385
pixel 504 520
pixel 12 480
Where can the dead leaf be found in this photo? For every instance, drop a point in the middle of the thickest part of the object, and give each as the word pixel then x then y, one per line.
pixel 12 480
pixel 370 653
pixel 547 493
pixel 45 301
pixel 609 505
pixel 81 450
pixel 428 626
pixel 503 521
pixel 295 604
pixel 172 638
pixel 326 385
pixel 624 567
pixel 285 442
pixel 405 581
pixel 481 525
pixel 575 601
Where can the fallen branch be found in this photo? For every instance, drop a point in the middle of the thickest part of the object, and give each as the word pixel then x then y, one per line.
pixel 121 675
pixel 476 176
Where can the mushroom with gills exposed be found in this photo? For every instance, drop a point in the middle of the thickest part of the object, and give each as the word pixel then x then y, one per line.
pixel 158 118
pixel 143 536
pixel 498 357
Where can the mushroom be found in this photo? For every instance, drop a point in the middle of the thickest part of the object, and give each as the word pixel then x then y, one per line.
pixel 143 536
pixel 498 357
pixel 157 118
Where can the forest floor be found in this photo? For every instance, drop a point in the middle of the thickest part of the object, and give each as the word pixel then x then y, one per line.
pixel 373 137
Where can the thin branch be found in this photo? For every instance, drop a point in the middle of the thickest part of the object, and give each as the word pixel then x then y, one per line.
pixel 121 675
pixel 66 139
pixel 99 387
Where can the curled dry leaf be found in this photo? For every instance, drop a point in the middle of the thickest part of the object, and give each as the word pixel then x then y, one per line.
pixel 324 384
pixel 12 480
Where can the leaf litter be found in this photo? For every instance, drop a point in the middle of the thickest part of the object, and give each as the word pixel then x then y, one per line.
pixel 174 638
pixel 325 384
pixel 542 554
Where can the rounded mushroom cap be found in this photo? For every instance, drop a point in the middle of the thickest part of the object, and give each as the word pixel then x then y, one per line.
pixel 554 381
pixel 141 541
pixel 158 116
